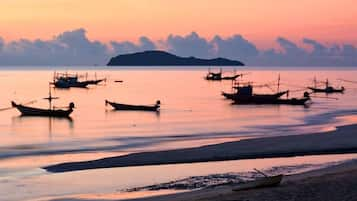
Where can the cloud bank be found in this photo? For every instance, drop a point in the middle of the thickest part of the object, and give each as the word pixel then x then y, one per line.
pixel 74 48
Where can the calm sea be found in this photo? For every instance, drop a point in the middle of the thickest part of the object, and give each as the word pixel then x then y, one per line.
pixel 193 113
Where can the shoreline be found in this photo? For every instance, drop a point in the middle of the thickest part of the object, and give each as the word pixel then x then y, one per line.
pixel 340 141
pixel 312 185
pixel 319 185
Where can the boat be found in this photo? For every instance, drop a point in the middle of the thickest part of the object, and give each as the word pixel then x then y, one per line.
pixel 293 101
pixel 266 181
pixel 245 95
pixel 328 89
pixel 32 111
pixel 120 106
pixel 219 76
pixel 94 82
pixel 65 81
pixel 50 112
pixel 232 96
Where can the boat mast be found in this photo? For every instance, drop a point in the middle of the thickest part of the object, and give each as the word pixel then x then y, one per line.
pixel 315 84
pixel 279 83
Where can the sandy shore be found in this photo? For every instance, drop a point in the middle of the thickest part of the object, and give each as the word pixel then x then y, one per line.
pixel 343 140
pixel 329 184
pixel 333 183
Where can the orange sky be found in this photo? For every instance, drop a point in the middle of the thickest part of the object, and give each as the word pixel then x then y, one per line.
pixel 260 21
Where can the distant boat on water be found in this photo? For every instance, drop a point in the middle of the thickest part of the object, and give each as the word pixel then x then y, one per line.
pixel 65 81
pixel 219 76
pixel 120 106
pixel 328 89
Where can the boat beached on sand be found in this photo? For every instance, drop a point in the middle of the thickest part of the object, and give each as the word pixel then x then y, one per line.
pixel 266 181
pixel 120 106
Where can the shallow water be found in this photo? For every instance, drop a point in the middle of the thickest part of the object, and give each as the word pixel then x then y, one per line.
pixel 193 112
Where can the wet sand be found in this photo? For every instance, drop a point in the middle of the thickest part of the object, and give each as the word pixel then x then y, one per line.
pixel 328 184
pixel 342 140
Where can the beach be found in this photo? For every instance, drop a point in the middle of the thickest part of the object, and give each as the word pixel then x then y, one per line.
pixel 332 183
pixel 343 140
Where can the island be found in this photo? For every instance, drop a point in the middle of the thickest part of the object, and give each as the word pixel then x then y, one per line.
pixel 162 58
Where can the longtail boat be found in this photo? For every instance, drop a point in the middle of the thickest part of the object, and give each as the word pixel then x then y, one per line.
pixel 266 181
pixel 32 111
pixel 219 76
pixel 328 89
pixel 245 95
pixel 50 112
pixel 274 96
pixel 120 106
pixel 94 82
pixel 65 81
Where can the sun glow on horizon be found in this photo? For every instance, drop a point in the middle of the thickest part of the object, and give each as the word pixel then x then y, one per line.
pixel 329 21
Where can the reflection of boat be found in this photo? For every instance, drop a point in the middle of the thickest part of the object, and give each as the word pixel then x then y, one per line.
pixel 31 111
pixel 267 181
pixel 119 106
pixel 328 89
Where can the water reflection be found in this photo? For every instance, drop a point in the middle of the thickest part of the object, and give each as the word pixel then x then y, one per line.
pixel 52 123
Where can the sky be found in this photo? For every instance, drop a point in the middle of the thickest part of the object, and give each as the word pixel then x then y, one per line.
pixel 114 25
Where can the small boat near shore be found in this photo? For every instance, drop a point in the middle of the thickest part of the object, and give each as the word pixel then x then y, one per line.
pixel 50 112
pixel 32 111
pixel 266 181
pixel 120 106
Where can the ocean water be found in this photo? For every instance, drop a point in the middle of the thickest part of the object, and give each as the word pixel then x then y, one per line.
pixel 193 113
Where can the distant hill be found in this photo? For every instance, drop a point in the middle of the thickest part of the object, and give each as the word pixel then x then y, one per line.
pixel 161 58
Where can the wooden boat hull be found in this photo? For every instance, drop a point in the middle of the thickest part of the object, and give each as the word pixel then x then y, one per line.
pixel 66 85
pixel 293 101
pixel 218 78
pixel 327 91
pixel 268 100
pixel 234 96
pixel 119 106
pixel 93 82
pixel 31 111
pixel 260 183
